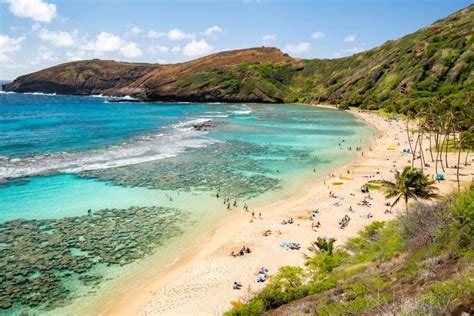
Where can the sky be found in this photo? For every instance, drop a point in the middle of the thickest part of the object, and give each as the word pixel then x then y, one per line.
pixel 35 34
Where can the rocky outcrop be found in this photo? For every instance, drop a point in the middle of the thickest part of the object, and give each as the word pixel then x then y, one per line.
pixel 144 81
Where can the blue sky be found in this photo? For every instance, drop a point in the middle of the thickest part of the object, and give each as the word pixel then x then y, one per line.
pixel 35 34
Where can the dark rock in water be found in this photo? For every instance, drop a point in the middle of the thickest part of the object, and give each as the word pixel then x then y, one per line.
pixel 207 125
pixel 38 255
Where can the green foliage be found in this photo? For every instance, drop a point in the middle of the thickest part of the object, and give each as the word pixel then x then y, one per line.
pixel 412 183
pixel 253 308
pixel 325 262
pixel 433 63
pixel 284 287
pixel 349 282
pixel 376 243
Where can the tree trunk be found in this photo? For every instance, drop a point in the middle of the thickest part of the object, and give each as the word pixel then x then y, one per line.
pixel 441 152
pixel 446 151
pixel 422 155
pixel 437 151
pixel 408 138
pixel 414 151
pixel 406 204
pixel 431 149
pixel 459 161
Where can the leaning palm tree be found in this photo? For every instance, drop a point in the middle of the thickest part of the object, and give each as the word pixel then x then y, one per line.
pixel 412 183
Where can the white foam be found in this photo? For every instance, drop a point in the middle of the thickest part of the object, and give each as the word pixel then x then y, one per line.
pixel 134 151
pixel 242 112
pixel 7 92
pixel 40 93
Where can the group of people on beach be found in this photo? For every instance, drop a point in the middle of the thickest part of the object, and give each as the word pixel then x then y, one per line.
pixel 344 221
pixel 290 221
pixel 244 250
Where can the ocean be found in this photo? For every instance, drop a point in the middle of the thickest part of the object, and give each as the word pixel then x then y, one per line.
pixel 92 191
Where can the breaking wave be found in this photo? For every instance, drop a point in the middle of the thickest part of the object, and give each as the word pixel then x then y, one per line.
pixel 175 139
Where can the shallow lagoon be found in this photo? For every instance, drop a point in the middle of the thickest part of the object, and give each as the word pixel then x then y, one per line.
pixel 256 154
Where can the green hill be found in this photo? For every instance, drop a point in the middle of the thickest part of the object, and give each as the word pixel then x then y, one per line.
pixel 433 63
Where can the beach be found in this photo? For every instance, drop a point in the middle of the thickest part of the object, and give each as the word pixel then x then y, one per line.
pixel 199 280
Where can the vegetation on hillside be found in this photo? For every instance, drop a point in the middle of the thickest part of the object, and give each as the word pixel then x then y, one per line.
pixel 420 263
pixel 427 66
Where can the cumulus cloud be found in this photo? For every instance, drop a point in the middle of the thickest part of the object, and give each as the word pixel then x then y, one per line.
pixel 105 42
pixel 176 49
pixel 130 50
pixel 195 48
pixel 59 38
pixel 108 42
pixel 35 9
pixel 318 35
pixel 177 34
pixel 136 30
pixel 8 46
pixel 155 34
pixel 213 31
pixel 173 34
pixel 45 54
pixel 267 38
pixel 349 38
pixel 154 49
pixel 298 48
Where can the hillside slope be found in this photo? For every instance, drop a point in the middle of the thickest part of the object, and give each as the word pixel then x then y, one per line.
pixel 418 264
pixel 435 61
pixel 145 81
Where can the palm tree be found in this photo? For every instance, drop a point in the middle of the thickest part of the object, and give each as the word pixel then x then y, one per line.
pixel 412 183
pixel 322 245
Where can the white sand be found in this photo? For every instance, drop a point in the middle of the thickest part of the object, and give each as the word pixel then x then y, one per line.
pixel 199 282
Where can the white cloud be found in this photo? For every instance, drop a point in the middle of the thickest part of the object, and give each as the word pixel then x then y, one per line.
pixel 108 42
pixel 154 49
pixel 174 34
pixel 136 30
pixel 349 38
pixel 213 31
pixel 61 39
pixel 44 54
pixel 318 35
pixel 155 34
pixel 267 38
pixel 177 34
pixel 347 52
pixel 130 50
pixel 105 42
pixel 297 49
pixel 9 45
pixel 196 48
pixel 36 9
pixel 79 55
pixel 176 49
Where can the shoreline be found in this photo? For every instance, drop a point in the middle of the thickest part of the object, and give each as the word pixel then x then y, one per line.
pixel 199 275
pixel 214 239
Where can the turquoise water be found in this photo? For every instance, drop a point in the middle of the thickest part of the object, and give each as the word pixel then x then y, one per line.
pixel 107 189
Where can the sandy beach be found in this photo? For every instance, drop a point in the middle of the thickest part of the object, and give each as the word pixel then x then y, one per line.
pixel 198 282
